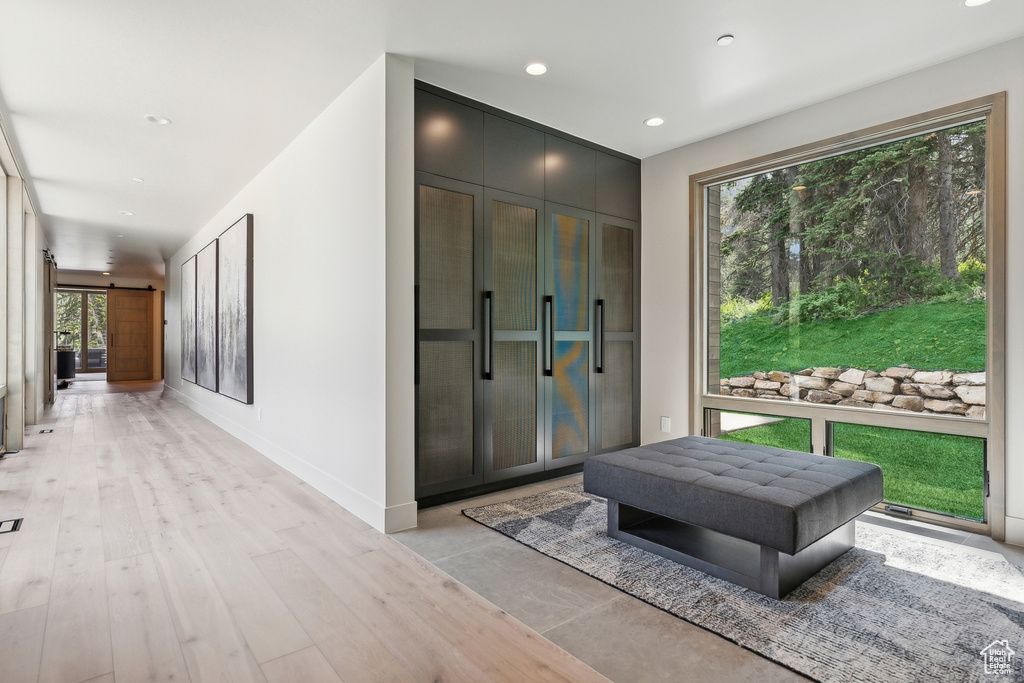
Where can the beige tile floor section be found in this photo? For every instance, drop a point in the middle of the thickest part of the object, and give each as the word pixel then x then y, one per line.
pixel 157 547
pixel 624 638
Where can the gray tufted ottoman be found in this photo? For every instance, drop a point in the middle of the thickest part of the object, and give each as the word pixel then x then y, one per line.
pixel 764 518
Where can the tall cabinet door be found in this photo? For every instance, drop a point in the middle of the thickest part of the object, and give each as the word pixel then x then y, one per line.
pixel 617 332
pixel 449 269
pixel 568 322
pixel 514 404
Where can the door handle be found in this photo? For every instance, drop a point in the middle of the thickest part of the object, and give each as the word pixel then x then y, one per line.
pixel 599 335
pixel 416 334
pixel 549 335
pixel 489 335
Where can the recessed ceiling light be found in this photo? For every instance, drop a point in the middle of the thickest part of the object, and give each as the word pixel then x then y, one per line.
pixel 120 235
pixel 726 39
pixel 106 273
pixel 536 69
pixel 160 120
pixel 139 180
pixel 126 213
pixel 974 3
pixel 654 121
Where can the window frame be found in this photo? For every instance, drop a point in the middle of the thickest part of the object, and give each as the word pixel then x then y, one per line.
pixel 991 109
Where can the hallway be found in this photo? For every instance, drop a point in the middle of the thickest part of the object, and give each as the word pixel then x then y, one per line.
pixel 155 546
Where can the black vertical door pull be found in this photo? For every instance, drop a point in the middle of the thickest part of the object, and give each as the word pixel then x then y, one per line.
pixel 599 334
pixel 489 335
pixel 416 339
pixel 549 336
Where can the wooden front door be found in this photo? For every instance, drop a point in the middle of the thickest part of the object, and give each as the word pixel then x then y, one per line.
pixel 129 335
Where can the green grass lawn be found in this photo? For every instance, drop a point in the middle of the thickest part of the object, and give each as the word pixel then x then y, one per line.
pixel 930 336
pixel 939 472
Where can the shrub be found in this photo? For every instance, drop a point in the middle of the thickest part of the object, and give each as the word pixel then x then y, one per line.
pixel 838 302
pixel 972 272
pixel 899 280
pixel 736 307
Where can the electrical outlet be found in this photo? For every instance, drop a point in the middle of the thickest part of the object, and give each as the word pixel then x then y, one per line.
pixel 666 424
pixel 259 414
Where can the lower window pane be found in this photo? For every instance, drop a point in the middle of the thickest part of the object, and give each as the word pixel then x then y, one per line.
pixel 792 434
pixel 939 472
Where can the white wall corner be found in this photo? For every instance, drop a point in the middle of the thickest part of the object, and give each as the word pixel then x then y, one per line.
pixel 400 475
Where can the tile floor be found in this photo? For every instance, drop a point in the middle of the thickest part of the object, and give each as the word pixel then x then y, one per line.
pixel 622 637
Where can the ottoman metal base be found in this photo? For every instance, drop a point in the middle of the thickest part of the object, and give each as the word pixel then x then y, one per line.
pixel 759 568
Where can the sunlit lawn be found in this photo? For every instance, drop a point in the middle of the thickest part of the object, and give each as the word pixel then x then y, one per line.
pixel 938 472
pixel 930 336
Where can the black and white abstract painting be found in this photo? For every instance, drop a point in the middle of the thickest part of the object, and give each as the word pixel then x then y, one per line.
pixel 188 320
pixel 234 328
pixel 206 317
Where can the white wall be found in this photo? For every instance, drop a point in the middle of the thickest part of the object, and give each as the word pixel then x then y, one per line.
pixel 35 342
pixel 666 277
pixel 321 211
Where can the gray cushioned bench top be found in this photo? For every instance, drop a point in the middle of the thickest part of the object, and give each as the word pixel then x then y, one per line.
pixel 781 499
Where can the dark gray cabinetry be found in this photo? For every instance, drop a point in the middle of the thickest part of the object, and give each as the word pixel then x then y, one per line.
pixel 514 157
pixel 527 315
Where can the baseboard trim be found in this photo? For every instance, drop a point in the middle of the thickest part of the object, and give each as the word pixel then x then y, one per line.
pixel 1015 531
pixel 368 510
pixel 400 517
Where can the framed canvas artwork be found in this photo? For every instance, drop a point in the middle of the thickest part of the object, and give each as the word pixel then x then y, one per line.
pixel 234 314
pixel 188 320
pixel 206 317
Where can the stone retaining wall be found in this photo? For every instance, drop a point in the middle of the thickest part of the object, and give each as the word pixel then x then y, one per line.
pixel 898 388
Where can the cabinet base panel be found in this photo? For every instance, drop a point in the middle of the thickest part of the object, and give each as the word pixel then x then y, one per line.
pixel 483 489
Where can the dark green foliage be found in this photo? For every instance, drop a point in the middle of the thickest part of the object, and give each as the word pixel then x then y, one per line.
pixel 69 317
pixel 875 213
pixel 853 296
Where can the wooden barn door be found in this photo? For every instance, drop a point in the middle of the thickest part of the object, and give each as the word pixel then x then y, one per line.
pixel 129 335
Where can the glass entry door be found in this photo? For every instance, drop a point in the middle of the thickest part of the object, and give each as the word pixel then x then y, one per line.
pixel 81 326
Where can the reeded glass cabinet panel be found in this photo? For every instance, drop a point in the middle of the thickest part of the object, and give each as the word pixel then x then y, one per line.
pixel 445 259
pixel 514 266
pixel 617 337
pixel 617 277
pixel 570 412
pixel 617 394
pixel 514 437
pixel 513 400
pixel 448 278
pixel 571 256
pixel 445 435
pixel 570 328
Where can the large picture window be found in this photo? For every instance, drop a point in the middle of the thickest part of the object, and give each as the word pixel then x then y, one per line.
pixel 859 282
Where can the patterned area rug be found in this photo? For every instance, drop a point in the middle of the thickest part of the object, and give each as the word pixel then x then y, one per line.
pixel 891 609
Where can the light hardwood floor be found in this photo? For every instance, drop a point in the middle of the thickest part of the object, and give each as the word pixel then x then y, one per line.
pixel 157 547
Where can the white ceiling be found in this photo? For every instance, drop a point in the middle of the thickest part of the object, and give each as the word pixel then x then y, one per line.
pixel 241 78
